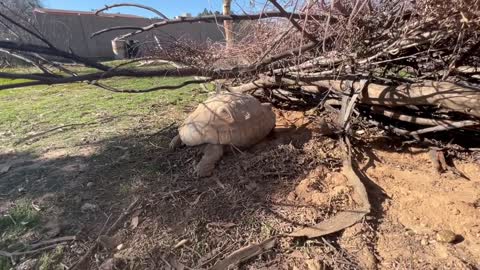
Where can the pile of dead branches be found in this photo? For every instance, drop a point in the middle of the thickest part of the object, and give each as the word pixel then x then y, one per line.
pixel 412 62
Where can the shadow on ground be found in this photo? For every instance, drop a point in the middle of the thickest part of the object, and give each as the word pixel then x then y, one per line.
pixel 82 190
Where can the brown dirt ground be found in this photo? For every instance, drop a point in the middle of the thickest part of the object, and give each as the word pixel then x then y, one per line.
pixel 289 180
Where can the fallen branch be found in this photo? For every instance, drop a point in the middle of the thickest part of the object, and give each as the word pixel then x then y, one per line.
pixel 23 253
pixel 23 47
pixel 444 127
pixel 39 80
pixel 456 97
pixel 54 241
pixel 27 60
pixel 409 118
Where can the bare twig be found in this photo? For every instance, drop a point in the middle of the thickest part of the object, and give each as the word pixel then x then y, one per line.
pixel 444 127
pixel 211 19
pixel 294 23
pixel 54 241
pixel 29 252
pixel 107 7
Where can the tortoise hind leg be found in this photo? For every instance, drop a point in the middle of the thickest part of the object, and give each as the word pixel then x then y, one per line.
pixel 211 154
pixel 175 143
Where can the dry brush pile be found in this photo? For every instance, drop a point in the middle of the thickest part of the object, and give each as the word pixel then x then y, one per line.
pixel 411 66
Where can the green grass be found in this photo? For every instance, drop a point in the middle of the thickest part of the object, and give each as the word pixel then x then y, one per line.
pixel 30 111
pixel 33 119
pixel 51 260
pixel 19 219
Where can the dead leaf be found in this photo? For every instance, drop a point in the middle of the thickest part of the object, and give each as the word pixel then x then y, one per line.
pixel 313 265
pixel 134 222
pixel 135 219
pixel 245 253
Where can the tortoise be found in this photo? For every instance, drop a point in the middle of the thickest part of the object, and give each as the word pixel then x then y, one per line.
pixel 236 119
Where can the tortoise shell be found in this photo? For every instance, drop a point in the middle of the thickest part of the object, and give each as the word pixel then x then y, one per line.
pixel 228 118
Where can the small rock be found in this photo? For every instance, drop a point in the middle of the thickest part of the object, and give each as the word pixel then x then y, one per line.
pixel 109 243
pixel 446 236
pixel 89 184
pixel 27 265
pixel 424 242
pixel 88 207
pixel 410 233
pixel 120 247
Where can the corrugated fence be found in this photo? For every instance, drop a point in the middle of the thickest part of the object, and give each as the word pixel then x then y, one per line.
pixel 72 31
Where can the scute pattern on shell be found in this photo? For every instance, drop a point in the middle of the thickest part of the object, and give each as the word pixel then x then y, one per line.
pixel 228 118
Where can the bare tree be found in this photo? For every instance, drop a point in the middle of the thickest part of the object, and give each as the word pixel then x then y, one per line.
pixel 228 25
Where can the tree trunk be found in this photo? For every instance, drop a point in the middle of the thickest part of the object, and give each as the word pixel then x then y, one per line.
pixel 228 25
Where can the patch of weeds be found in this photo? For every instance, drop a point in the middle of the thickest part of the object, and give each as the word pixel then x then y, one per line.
pixel 51 261
pixel 266 230
pixel 20 218
pixel 404 74
pixel 125 188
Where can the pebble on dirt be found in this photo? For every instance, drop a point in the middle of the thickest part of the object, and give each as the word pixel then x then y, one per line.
pixel 88 207
pixel 446 236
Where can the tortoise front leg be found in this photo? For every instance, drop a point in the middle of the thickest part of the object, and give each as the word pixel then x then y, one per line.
pixel 175 142
pixel 211 154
